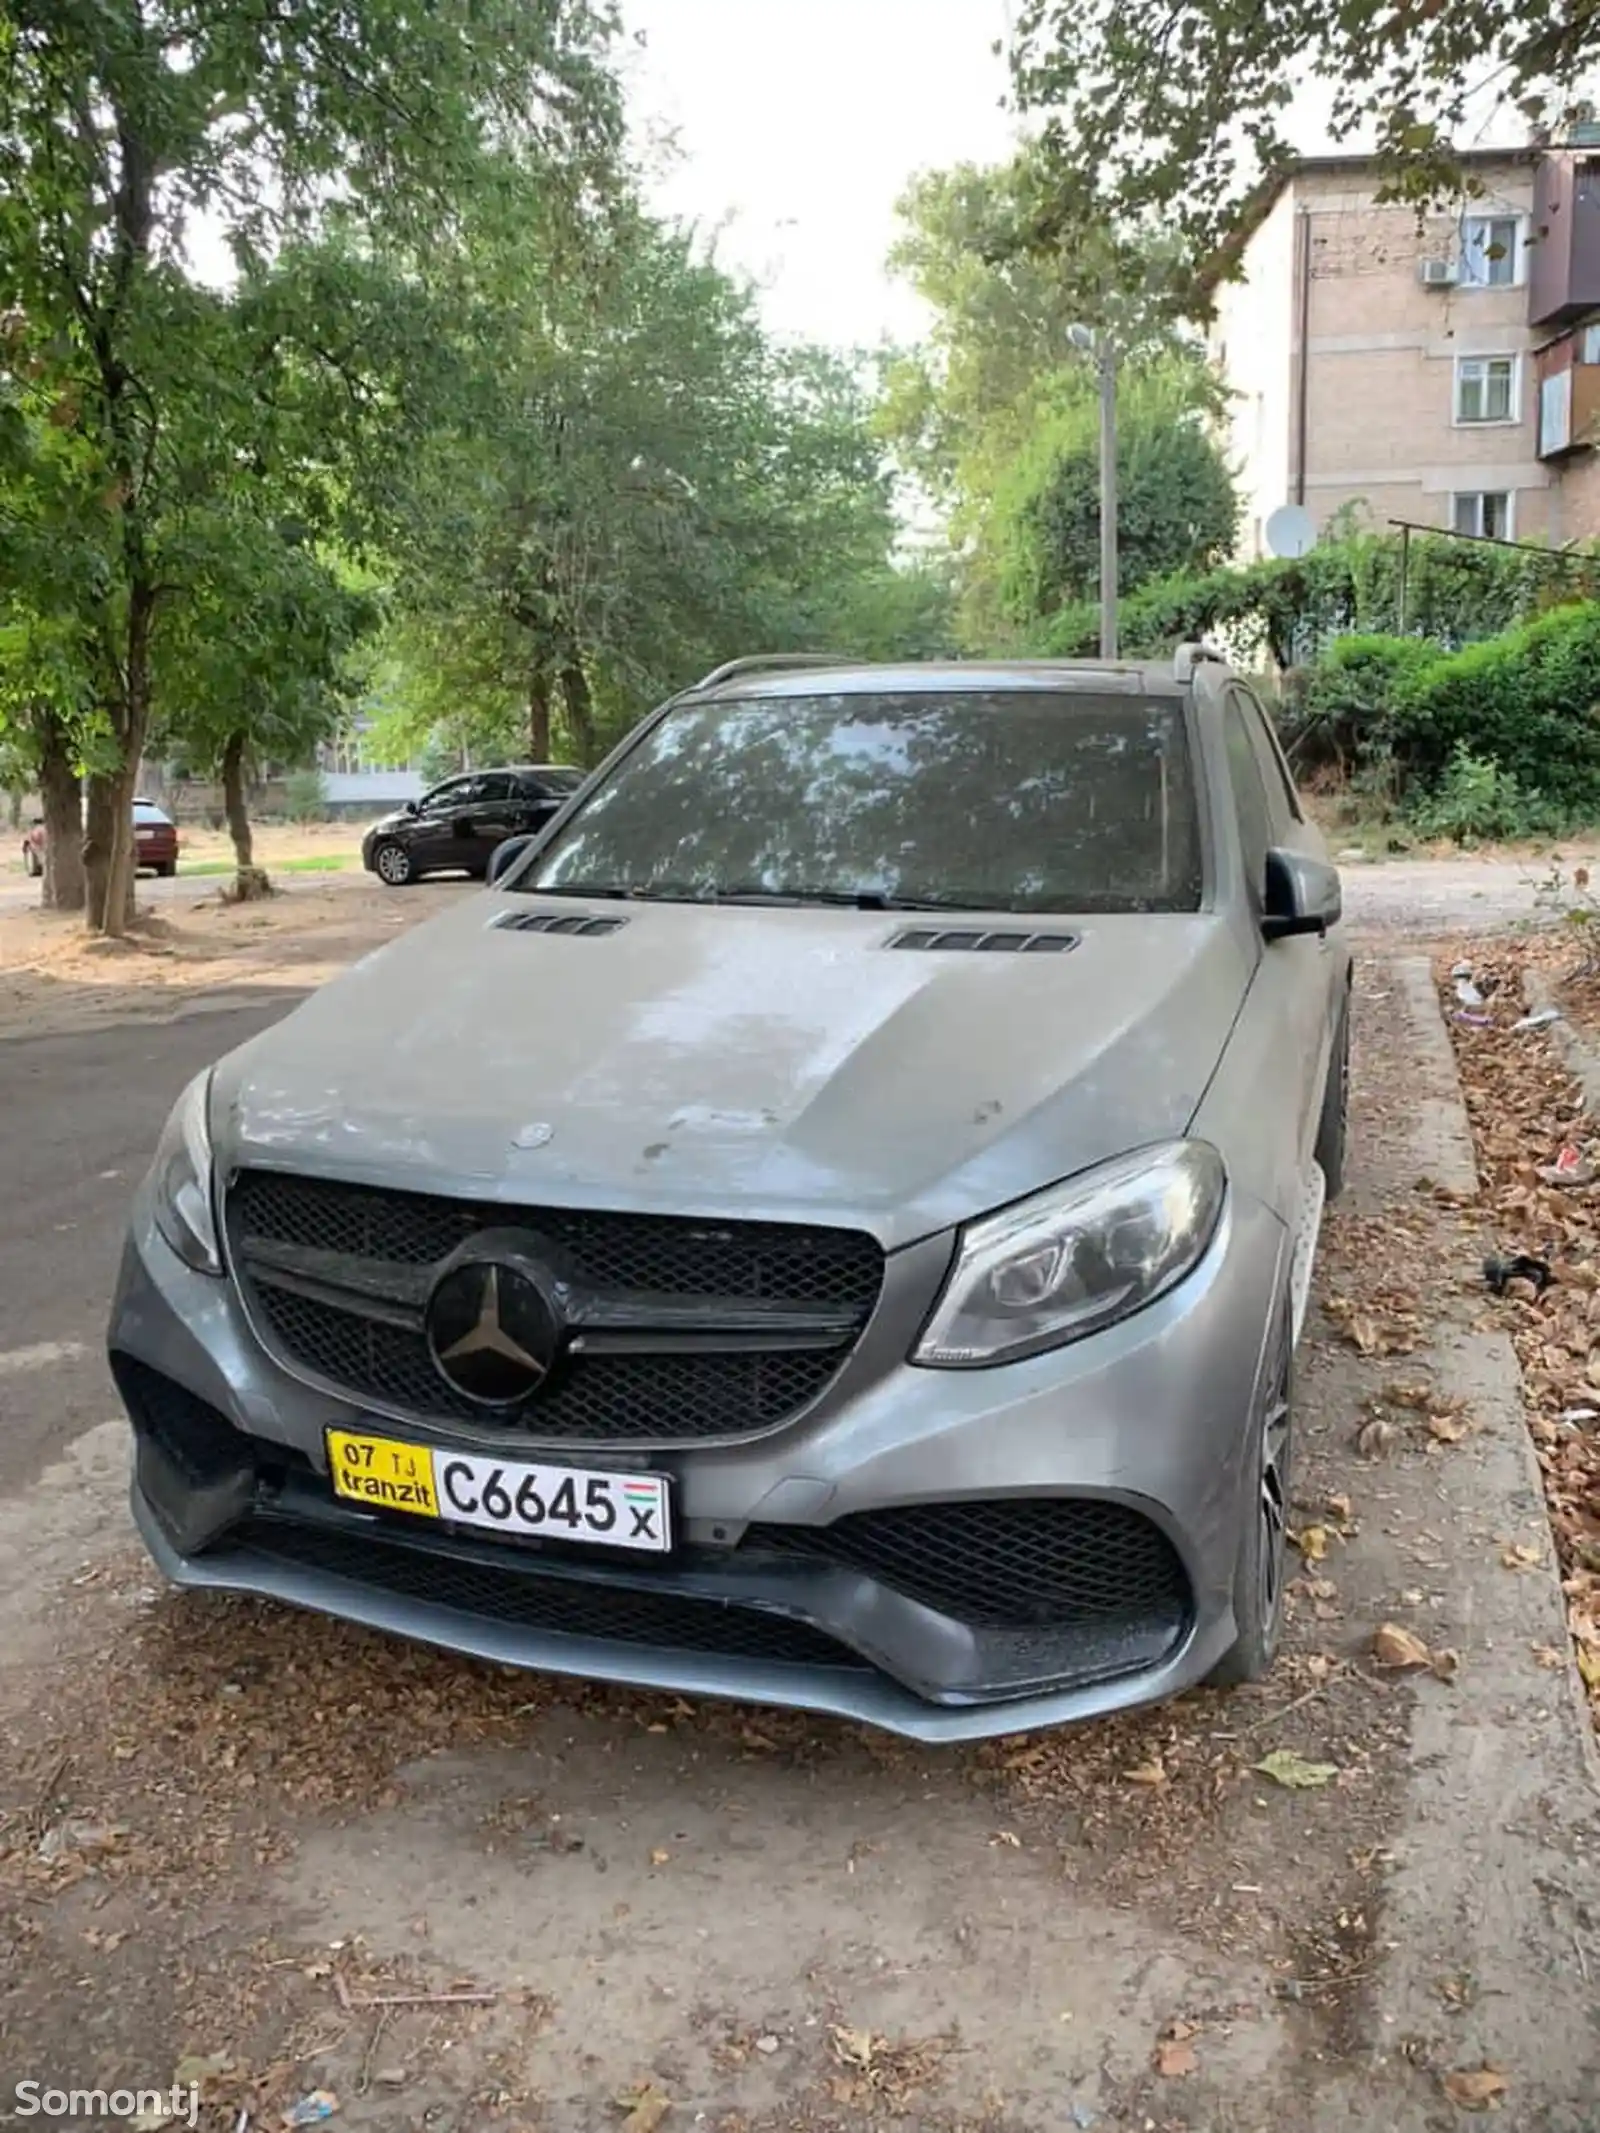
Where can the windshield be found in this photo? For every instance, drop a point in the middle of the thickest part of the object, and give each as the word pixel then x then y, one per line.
pixel 1004 800
pixel 557 777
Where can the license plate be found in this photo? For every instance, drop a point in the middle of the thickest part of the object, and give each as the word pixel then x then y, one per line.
pixel 520 1497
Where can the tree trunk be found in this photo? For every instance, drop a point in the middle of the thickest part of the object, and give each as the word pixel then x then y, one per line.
pixel 108 851
pixel 250 881
pixel 539 716
pixel 580 711
pixel 61 791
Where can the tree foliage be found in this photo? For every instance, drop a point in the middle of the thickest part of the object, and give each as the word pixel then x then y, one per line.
pixel 637 481
pixel 995 417
pixel 1177 510
pixel 1175 112
pixel 123 120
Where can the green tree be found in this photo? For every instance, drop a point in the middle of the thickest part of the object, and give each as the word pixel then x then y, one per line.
pixel 255 665
pixel 634 481
pixel 1177 507
pixel 123 120
pixel 995 417
pixel 1173 111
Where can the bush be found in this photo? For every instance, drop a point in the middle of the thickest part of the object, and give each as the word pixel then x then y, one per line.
pixel 1527 701
pixel 305 796
pixel 1476 799
pixel 1345 699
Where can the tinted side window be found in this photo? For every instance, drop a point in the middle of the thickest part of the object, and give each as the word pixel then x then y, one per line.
pixel 1249 799
pixel 1282 799
pixel 445 797
pixel 497 786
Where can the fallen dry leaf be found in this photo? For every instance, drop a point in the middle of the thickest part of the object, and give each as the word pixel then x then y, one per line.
pixel 1524 1556
pixel 1286 1768
pixel 658 1857
pixel 1007 1837
pixel 1153 1772
pixel 1446 1429
pixel 1474 2088
pixel 1375 1438
pixel 1175 2057
pixel 645 2105
pixel 1312 1541
pixel 1395 1646
pixel 852 2047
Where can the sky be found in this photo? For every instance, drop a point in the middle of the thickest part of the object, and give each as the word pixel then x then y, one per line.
pixel 799 124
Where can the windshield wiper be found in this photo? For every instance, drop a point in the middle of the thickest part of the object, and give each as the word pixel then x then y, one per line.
pixel 617 891
pixel 844 899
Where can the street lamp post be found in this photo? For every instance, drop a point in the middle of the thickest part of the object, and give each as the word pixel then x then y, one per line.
pixel 1104 350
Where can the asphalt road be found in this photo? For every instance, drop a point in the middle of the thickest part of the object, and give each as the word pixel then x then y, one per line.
pixel 79 1117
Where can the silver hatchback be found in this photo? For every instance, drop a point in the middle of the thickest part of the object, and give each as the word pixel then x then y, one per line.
pixel 830 1225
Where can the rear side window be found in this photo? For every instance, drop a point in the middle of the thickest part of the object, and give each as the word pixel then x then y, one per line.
pixel 1249 798
pixel 1283 802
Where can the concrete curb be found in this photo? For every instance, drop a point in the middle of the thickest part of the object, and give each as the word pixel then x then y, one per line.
pixel 1497 1871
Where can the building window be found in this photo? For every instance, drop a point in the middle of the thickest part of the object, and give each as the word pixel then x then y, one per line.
pixel 1486 388
pixel 1589 344
pixel 1491 251
pixel 1485 512
pixel 1555 412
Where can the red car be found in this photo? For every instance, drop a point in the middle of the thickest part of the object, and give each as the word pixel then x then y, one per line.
pixel 155 838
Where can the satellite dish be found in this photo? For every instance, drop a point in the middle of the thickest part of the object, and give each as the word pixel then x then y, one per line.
pixel 1290 531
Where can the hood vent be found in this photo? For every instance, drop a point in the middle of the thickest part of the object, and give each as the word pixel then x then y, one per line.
pixel 583 923
pixel 952 940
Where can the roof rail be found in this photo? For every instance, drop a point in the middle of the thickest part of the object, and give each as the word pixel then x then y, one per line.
pixel 758 662
pixel 1188 656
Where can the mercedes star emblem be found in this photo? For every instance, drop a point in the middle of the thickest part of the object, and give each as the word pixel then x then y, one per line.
pixel 492 1330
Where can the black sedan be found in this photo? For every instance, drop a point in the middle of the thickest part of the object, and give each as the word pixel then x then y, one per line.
pixel 455 828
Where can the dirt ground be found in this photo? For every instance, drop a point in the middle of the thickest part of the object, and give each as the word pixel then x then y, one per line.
pixel 287 1859
pixel 180 958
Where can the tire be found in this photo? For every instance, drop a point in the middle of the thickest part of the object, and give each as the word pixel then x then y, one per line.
pixel 167 868
pixel 1262 1572
pixel 32 864
pixel 391 863
pixel 1333 1130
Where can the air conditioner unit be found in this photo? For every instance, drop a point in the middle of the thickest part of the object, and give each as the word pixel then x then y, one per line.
pixel 1437 273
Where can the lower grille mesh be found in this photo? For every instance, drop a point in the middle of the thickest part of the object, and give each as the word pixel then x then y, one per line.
pixel 1003 1563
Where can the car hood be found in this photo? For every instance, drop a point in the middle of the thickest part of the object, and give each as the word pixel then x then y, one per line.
pixel 779 1063
pixel 397 818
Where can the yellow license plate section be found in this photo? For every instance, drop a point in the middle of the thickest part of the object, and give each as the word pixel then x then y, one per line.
pixel 380 1472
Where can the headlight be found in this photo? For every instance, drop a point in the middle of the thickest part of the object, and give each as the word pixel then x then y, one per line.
pixel 180 1181
pixel 1072 1259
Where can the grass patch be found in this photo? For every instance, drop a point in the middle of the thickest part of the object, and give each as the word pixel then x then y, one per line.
pixel 313 863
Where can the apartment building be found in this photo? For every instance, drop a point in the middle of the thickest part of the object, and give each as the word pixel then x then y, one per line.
pixel 1445 372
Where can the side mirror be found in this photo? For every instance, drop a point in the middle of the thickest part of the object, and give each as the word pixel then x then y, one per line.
pixel 504 857
pixel 1302 895
pixel 413 807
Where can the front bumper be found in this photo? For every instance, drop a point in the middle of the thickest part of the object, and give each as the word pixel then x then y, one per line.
pixel 1119 1459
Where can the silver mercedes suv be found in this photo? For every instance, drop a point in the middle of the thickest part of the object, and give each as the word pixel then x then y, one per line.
pixel 829 1225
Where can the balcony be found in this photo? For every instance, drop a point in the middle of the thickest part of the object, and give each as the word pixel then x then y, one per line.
pixel 1564 247
pixel 1568 373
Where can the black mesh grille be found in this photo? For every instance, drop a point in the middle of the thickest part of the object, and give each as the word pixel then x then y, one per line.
pixel 1006 1564
pixel 663 1253
pixel 504 1593
pixel 199 1441
pixel 641 1397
